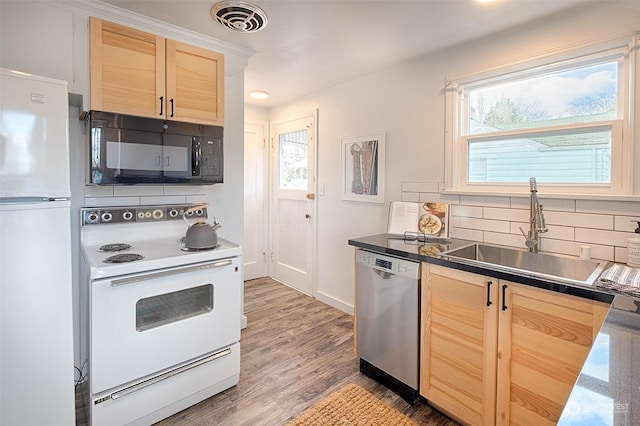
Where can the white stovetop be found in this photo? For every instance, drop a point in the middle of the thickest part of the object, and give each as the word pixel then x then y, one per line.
pixel 160 245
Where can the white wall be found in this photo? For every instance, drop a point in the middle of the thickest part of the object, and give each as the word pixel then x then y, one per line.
pixel 51 38
pixel 407 102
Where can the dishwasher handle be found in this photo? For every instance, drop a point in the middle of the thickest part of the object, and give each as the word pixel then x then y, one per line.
pixel 383 274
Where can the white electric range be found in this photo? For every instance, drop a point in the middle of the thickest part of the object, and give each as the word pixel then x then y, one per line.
pixel 163 322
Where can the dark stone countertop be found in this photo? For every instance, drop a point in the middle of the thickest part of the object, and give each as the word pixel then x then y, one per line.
pixel 607 391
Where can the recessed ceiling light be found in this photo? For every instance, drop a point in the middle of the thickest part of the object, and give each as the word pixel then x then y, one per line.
pixel 258 94
pixel 239 16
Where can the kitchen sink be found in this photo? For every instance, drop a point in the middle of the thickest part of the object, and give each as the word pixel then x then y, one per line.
pixel 565 269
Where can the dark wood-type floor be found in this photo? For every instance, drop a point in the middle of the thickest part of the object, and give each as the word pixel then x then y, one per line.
pixel 294 352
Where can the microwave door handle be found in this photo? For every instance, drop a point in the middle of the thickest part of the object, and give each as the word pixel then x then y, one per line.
pixel 196 154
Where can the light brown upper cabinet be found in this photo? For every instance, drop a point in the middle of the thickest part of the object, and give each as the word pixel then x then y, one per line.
pixel 137 73
pixel 495 352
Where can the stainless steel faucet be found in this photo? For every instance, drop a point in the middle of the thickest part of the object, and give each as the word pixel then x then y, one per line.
pixel 536 220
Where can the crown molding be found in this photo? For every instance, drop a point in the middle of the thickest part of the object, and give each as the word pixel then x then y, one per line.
pixel 151 25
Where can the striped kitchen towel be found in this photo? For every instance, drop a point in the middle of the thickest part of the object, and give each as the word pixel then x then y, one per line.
pixel 621 278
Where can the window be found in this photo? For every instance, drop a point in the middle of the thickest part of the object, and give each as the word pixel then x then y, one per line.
pixel 293 160
pixel 562 121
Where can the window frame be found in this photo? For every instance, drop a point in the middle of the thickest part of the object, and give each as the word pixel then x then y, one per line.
pixel 457 138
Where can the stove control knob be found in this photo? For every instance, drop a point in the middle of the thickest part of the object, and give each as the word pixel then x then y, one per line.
pixel 127 215
pixel 173 213
pixel 106 217
pixel 158 214
pixel 92 217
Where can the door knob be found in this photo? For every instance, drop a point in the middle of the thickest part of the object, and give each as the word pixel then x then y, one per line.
pixel 307 216
pixel 311 196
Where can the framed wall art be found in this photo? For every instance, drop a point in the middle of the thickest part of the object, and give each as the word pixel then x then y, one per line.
pixel 363 168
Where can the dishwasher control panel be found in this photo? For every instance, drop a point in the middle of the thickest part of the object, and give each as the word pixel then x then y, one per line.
pixel 392 265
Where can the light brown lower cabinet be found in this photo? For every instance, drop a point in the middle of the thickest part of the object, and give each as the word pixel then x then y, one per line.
pixel 497 352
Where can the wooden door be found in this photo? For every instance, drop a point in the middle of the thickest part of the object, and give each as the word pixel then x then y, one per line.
pixel 458 334
pixel 127 70
pixel 195 84
pixel 544 339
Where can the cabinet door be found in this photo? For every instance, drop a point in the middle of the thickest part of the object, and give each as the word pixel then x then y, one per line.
pixel 458 356
pixel 127 69
pixel 195 84
pixel 544 340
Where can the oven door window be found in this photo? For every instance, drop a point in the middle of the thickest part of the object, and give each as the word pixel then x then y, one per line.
pixel 156 311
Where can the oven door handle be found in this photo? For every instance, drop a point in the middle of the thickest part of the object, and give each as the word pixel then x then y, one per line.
pixel 168 374
pixel 162 274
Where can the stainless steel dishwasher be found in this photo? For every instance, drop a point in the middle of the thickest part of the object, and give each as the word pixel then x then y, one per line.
pixel 387 320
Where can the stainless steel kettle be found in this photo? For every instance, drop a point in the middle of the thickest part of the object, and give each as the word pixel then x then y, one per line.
pixel 200 235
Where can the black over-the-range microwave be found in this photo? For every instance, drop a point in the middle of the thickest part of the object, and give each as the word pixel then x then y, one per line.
pixel 128 150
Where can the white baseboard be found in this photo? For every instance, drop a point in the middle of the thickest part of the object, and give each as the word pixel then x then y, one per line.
pixel 331 301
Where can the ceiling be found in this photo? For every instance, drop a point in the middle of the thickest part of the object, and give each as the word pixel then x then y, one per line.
pixel 310 45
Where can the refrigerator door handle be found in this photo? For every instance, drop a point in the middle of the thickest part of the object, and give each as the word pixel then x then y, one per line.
pixel 30 200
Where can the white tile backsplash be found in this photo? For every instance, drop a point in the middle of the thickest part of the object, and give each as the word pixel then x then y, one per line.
pixel 466 234
pixel 548 204
pixel 559 232
pixel 594 221
pixel 597 236
pixel 174 199
pixel 483 224
pixel 466 211
pixel 124 195
pixel 98 191
pixel 630 208
pixel 506 214
pixel 603 225
pixel 626 223
pixel 137 190
pixel 183 190
pixel 111 201
pixel 504 239
pixel 485 201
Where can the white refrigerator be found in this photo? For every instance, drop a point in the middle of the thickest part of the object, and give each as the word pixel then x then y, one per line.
pixel 36 319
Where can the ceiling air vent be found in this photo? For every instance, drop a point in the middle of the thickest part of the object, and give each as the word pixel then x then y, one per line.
pixel 239 16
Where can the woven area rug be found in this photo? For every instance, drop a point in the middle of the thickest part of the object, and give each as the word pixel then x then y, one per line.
pixel 351 406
